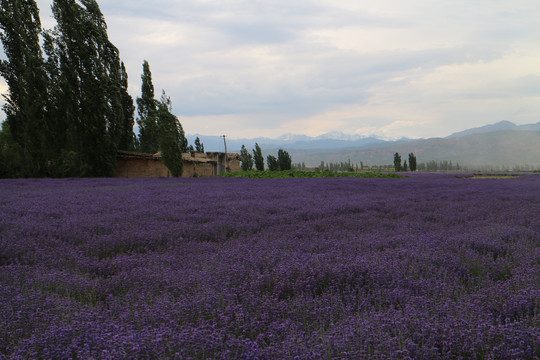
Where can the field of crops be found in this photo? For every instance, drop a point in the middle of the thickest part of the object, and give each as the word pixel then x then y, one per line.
pixel 427 267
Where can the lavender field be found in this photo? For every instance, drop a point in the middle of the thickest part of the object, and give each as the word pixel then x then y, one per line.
pixel 427 267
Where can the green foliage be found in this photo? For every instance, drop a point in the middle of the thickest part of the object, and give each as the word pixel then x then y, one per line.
pixel 258 157
pixel 284 160
pixel 128 108
pixel 397 162
pixel 171 137
pixel 199 147
pixel 412 162
pixel 147 111
pixel 69 164
pixel 405 167
pixel 68 112
pixel 306 174
pixel 273 164
pixel 89 82
pixel 23 71
pixel 247 159
pixel 10 155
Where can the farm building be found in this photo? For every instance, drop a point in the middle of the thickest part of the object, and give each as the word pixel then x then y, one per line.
pixel 134 164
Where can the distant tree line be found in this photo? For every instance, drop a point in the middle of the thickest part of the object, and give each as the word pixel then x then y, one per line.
pixel 67 110
pixel 439 166
pixel 432 165
pixel 299 166
pixel 281 163
pixel 340 166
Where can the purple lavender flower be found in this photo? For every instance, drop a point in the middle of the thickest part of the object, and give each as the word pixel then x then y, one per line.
pixel 428 267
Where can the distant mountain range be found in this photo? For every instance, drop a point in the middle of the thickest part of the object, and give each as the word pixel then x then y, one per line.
pixel 334 140
pixel 502 144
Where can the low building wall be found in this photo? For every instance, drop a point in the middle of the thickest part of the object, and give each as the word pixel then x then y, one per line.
pixel 141 168
pixel 140 165
pixel 194 169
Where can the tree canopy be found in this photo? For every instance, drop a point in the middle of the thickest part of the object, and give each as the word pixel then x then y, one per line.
pixel 147 113
pixel 247 159
pixel 397 162
pixel 412 162
pixel 199 147
pixel 171 138
pixel 273 164
pixel 25 76
pixel 258 157
pixel 284 160
pixel 68 110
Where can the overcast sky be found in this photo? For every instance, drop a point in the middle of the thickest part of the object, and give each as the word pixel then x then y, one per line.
pixel 391 68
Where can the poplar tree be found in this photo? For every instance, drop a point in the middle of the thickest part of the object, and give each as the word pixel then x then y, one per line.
pixel 10 156
pixel 412 162
pixel 147 107
pixel 284 160
pixel 397 162
pixel 258 157
pixel 56 112
pixel 88 91
pixel 247 159
pixel 128 109
pixel 199 147
pixel 25 76
pixel 171 137
pixel 68 113
pixel 273 164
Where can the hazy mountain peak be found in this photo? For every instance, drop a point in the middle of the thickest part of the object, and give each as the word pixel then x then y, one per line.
pixel 504 123
pixel 292 137
pixel 338 135
pixel 499 126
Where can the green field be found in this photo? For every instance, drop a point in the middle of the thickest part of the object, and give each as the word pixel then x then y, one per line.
pixel 307 174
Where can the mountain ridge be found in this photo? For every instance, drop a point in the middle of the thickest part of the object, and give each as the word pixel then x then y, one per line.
pixel 340 140
pixel 504 148
pixel 500 126
pixel 503 144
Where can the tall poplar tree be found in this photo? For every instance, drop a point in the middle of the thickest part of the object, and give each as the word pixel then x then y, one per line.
pixel 412 162
pixel 199 147
pixel 397 162
pixel 273 164
pixel 88 88
pixel 24 74
pixel 258 157
pixel 56 112
pixel 67 114
pixel 171 137
pixel 284 160
pixel 147 111
pixel 247 159
pixel 128 108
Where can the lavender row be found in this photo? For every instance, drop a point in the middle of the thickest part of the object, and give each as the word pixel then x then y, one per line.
pixel 427 267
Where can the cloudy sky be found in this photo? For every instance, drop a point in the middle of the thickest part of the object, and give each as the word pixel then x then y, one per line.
pixel 392 68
